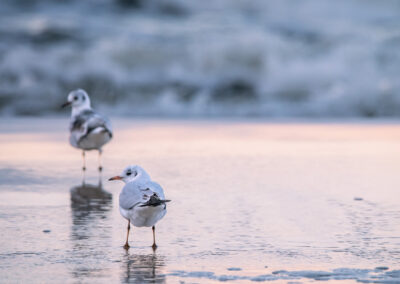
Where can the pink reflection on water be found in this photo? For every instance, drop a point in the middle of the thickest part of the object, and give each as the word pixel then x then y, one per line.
pixel 244 194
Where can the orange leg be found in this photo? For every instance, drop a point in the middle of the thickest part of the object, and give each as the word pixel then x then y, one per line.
pixel 154 246
pixel 126 246
pixel 84 161
pixel 100 167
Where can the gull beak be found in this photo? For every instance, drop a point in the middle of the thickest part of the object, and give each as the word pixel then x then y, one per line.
pixel 65 104
pixel 115 178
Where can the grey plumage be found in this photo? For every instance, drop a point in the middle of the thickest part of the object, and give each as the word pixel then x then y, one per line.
pixel 141 201
pixel 134 194
pixel 88 129
pixel 85 123
pixel 130 196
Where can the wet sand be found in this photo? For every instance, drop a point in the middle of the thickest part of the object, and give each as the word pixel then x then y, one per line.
pixel 251 201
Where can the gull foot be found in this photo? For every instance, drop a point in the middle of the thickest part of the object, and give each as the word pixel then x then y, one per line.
pixel 83 168
pixel 126 246
pixel 154 246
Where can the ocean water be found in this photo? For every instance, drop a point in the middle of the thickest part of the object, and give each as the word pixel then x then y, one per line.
pixel 252 201
pixel 309 58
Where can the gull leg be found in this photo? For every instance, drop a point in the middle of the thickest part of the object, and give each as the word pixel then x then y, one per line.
pixel 83 178
pixel 84 160
pixel 100 167
pixel 154 246
pixel 100 182
pixel 126 246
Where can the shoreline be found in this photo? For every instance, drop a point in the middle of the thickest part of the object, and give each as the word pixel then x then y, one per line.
pixel 292 197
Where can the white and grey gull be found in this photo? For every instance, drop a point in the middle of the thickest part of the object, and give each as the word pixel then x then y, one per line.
pixel 88 129
pixel 141 201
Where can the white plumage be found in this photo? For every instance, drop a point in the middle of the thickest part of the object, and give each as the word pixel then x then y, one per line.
pixel 141 201
pixel 88 129
pixel 131 199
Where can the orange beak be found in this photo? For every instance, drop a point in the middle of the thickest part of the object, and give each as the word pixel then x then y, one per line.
pixel 115 178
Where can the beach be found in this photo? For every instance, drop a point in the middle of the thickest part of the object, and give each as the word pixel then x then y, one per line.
pixel 252 200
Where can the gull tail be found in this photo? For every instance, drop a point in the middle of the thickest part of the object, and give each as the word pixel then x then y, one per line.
pixel 154 201
pixel 100 129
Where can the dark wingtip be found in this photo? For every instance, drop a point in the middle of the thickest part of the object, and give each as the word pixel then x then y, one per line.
pixel 154 203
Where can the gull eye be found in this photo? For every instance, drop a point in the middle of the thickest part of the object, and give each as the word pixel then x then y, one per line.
pixel 128 173
pixel 75 98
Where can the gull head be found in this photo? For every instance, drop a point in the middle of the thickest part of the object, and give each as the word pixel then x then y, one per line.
pixel 78 99
pixel 130 173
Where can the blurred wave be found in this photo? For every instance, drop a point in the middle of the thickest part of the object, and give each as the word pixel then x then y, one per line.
pixel 313 58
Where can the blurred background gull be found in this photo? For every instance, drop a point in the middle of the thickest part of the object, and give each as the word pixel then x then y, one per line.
pixel 178 58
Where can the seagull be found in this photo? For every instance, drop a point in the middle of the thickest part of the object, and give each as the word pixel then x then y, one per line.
pixel 89 130
pixel 141 201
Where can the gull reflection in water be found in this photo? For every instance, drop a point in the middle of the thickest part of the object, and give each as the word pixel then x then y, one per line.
pixel 146 268
pixel 91 230
pixel 89 203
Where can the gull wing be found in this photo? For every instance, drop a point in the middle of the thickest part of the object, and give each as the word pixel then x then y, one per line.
pixel 135 193
pixel 155 188
pixel 87 121
pixel 130 196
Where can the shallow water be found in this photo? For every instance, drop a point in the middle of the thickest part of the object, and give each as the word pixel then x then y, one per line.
pixel 251 201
